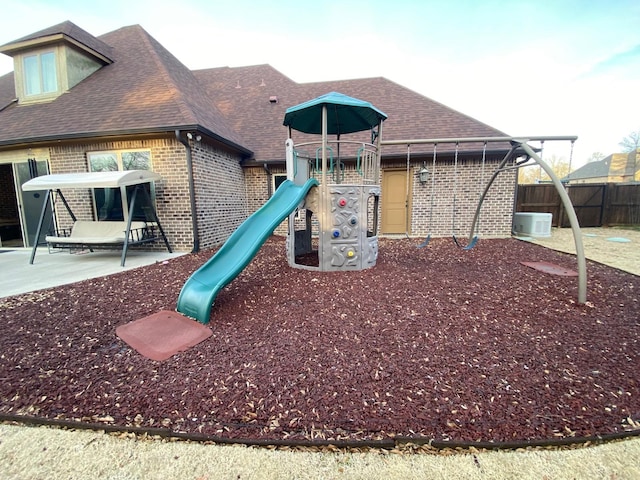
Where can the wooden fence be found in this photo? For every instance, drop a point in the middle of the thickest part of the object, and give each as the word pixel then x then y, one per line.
pixel 596 205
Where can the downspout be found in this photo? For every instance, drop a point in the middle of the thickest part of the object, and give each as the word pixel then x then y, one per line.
pixel 192 194
pixel 266 169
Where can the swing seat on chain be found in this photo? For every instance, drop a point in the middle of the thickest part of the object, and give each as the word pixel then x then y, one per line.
pixel 471 244
pixel 425 243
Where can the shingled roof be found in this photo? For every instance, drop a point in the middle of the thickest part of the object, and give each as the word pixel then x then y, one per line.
pixel 617 167
pixel 255 98
pixel 146 89
pixel 67 30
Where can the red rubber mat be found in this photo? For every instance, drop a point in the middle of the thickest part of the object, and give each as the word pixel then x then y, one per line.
pixel 163 334
pixel 551 268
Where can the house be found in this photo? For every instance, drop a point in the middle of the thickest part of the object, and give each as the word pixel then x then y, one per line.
pixel 616 168
pixel 79 103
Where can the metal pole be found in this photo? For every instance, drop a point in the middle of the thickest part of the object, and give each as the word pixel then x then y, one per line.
pixel 479 139
pixel 40 222
pixel 486 190
pixel 324 200
pixel 573 220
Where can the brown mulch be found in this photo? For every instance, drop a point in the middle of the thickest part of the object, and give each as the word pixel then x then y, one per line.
pixel 436 342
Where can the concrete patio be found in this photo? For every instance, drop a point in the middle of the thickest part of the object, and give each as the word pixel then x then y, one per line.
pixel 60 268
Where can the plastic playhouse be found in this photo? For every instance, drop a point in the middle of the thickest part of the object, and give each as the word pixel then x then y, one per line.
pixel 336 227
pixel 339 225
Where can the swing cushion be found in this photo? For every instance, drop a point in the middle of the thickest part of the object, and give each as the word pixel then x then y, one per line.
pixel 94 233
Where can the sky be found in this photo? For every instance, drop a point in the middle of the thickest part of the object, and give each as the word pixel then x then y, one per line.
pixel 525 67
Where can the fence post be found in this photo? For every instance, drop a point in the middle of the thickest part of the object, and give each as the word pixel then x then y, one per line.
pixel 605 219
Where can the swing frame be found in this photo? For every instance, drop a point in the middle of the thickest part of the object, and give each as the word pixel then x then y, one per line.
pixel 520 147
pixel 98 234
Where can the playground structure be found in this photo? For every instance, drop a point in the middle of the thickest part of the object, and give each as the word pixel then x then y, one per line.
pixel 345 242
pixel 333 219
pixel 346 208
pixel 519 155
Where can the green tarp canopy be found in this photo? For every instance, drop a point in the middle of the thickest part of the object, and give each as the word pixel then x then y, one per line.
pixel 344 115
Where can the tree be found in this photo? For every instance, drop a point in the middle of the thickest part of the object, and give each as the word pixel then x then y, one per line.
pixel 595 157
pixel 631 142
pixel 535 173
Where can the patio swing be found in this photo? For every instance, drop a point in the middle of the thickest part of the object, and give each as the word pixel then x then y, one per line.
pixel 102 234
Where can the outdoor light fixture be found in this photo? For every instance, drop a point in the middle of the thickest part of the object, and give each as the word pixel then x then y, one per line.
pixel 423 175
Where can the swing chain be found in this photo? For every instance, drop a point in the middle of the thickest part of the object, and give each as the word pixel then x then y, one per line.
pixel 570 159
pixel 455 190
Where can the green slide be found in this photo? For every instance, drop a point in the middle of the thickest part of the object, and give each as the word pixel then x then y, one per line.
pixel 200 290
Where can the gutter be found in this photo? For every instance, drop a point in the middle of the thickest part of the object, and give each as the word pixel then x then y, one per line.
pixel 192 194
pixel 266 169
pixel 58 137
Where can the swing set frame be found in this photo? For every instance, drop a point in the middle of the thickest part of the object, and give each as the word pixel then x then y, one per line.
pixel 519 148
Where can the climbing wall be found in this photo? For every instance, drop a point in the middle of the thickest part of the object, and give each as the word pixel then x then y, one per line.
pixel 345 245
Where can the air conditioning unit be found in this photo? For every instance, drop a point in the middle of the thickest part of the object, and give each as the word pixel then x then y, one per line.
pixel 532 224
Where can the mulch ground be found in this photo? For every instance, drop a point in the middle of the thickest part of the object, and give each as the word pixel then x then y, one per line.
pixel 436 342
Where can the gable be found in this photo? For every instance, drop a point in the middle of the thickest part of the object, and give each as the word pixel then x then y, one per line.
pixel 50 62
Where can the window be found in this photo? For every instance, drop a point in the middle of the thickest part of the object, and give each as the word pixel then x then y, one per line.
pixel 119 160
pixel 108 204
pixel 277 179
pixel 40 74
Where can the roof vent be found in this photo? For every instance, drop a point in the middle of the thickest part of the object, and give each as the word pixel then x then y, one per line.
pixel 238 85
pixel 262 84
pixel 273 99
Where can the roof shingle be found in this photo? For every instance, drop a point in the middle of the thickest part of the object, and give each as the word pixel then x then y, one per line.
pixel 67 29
pixel 243 95
pixel 145 89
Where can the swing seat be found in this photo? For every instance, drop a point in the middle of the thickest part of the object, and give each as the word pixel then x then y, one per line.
pixel 425 243
pixel 471 244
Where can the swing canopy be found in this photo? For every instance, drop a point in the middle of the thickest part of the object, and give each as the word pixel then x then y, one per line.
pixel 90 180
pixel 107 234
pixel 344 115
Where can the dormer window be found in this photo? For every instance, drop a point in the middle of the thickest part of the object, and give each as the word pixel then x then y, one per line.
pixel 40 73
pixel 52 61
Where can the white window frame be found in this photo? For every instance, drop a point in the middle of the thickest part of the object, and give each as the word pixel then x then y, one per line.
pixel 274 184
pixel 119 164
pixel 117 154
pixel 22 76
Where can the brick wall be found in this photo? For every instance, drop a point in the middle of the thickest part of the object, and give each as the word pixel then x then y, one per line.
pixel 468 183
pixel 71 159
pixel 172 192
pixel 258 186
pixel 221 193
